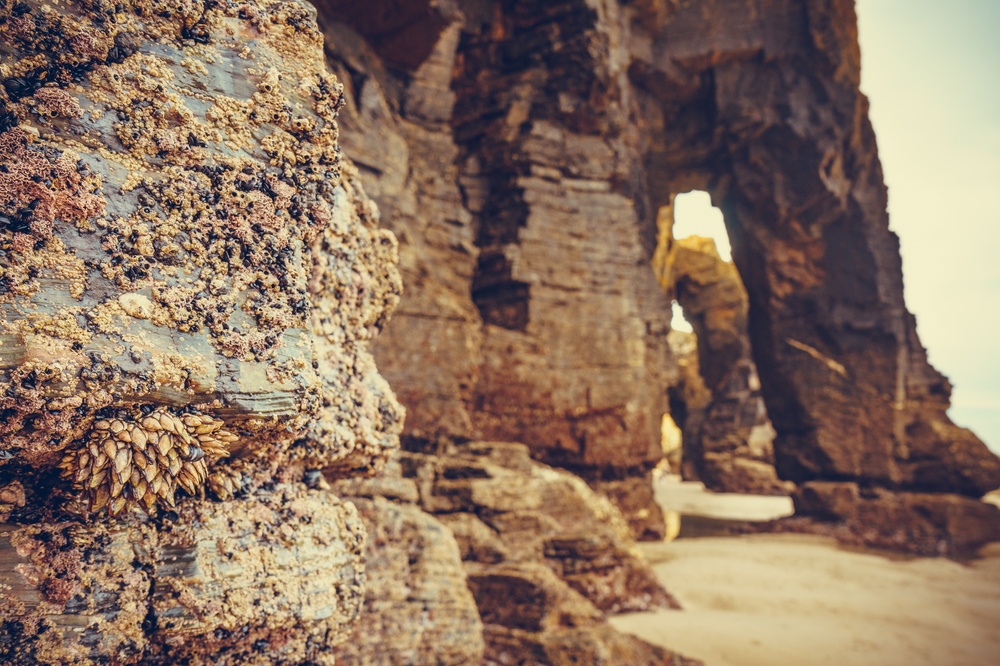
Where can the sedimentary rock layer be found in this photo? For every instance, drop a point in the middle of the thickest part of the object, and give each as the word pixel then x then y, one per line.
pixel 545 558
pixel 191 275
pixel 757 101
pixel 565 127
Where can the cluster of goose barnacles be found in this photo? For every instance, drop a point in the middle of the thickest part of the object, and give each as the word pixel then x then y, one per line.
pixel 141 459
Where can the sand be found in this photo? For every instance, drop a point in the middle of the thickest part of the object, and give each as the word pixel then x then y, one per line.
pixel 772 600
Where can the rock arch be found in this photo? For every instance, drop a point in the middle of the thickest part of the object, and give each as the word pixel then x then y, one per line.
pixel 569 125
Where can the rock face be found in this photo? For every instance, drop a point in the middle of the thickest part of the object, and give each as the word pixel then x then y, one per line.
pixel 191 275
pixel 922 523
pixel 418 608
pixel 560 130
pixel 718 403
pixel 759 104
pixel 499 335
pixel 545 557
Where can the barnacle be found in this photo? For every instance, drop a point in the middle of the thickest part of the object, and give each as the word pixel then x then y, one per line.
pixel 225 482
pixel 141 459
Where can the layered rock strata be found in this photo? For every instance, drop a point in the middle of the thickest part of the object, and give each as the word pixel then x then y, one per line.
pixel 920 523
pixel 565 127
pixel 530 314
pixel 545 557
pixel 758 103
pixel 191 275
pixel 418 608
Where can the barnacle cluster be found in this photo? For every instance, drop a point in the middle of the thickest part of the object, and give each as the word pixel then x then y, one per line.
pixel 141 459
pixel 178 227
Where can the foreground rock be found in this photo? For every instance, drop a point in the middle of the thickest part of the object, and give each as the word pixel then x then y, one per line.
pixel 191 277
pixel 545 558
pixel 418 608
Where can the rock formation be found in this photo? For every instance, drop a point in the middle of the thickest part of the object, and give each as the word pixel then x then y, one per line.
pixel 718 402
pixel 762 109
pixel 418 608
pixel 561 130
pixel 498 336
pixel 191 275
pixel 546 558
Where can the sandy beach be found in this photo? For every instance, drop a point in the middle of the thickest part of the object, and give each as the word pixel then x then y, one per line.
pixel 777 600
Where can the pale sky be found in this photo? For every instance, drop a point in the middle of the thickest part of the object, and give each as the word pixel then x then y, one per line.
pixel 931 69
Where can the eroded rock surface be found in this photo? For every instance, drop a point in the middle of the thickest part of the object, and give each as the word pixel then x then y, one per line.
pixel 758 103
pixel 418 608
pixel 545 558
pixel 529 314
pixel 922 523
pixel 191 275
pixel 274 579
pixel 566 128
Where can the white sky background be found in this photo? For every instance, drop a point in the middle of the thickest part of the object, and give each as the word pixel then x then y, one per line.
pixel 931 69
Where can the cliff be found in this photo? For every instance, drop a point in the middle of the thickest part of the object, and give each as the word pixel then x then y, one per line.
pixel 533 150
pixel 208 212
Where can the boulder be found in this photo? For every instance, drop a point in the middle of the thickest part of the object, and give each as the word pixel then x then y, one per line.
pixel 922 523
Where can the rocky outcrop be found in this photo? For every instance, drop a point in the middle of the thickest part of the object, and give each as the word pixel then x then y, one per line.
pixel 397 132
pixel 758 103
pixel 727 437
pixel 418 608
pixel 495 337
pixel 566 128
pixel 545 557
pixel 191 275
pixel 575 325
pixel 921 523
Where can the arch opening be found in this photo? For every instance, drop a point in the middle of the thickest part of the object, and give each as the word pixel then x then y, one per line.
pixel 694 215
pixel 717 405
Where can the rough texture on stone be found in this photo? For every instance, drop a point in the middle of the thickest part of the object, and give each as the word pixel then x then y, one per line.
pixel 184 243
pixel 758 102
pixel 566 126
pixel 273 579
pixel 418 608
pixel 545 558
pixel 399 137
pixel 922 523
pixel 530 313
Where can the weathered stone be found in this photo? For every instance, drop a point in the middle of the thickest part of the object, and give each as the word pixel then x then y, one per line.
pixel 923 523
pixel 727 435
pixel 184 248
pixel 574 338
pixel 523 152
pixel 586 396
pixel 758 103
pixel 431 354
pixel 283 570
pixel 539 514
pixel 546 556
pixel 418 608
